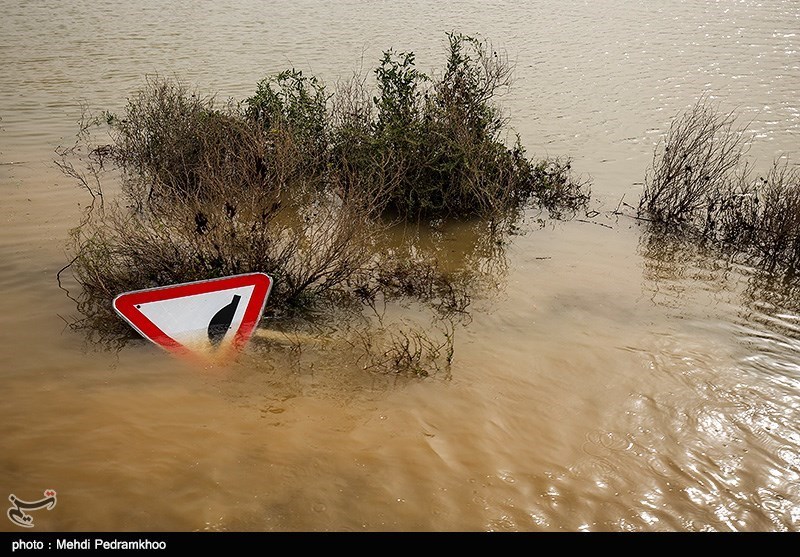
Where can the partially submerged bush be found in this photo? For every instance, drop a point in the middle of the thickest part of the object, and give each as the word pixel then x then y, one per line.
pixel 298 183
pixel 700 183
pixel 206 193
pixel 693 165
pixel 442 139
pixel 405 348
pixel 308 251
pixel 769 216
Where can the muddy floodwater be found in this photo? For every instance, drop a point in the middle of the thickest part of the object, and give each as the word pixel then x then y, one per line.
pixel 608 379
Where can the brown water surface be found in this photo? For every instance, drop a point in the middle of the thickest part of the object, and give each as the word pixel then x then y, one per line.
pixel 609 380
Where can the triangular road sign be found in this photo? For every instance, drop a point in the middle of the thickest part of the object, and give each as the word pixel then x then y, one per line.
pixel 207 318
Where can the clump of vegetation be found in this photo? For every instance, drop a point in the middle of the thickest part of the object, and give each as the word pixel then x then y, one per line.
pixel 441 140
pixel 693 165
pixel 303 184
pixel 702 184
pixel 208 192
pixel 405 348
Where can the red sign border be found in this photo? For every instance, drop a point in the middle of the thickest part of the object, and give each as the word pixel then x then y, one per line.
pixel 125 305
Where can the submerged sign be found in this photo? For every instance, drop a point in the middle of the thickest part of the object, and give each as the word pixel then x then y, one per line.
pixel 208 318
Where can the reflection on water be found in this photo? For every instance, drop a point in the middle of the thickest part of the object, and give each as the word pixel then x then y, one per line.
pixel 606 379
pixel 738 426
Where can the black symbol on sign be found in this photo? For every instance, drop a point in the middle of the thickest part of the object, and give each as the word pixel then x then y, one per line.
pixel 221 321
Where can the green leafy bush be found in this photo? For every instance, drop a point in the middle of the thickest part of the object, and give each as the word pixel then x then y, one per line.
pixel 442 139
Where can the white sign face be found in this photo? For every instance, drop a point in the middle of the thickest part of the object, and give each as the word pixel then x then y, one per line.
pixel 208 318
pixel 187 320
